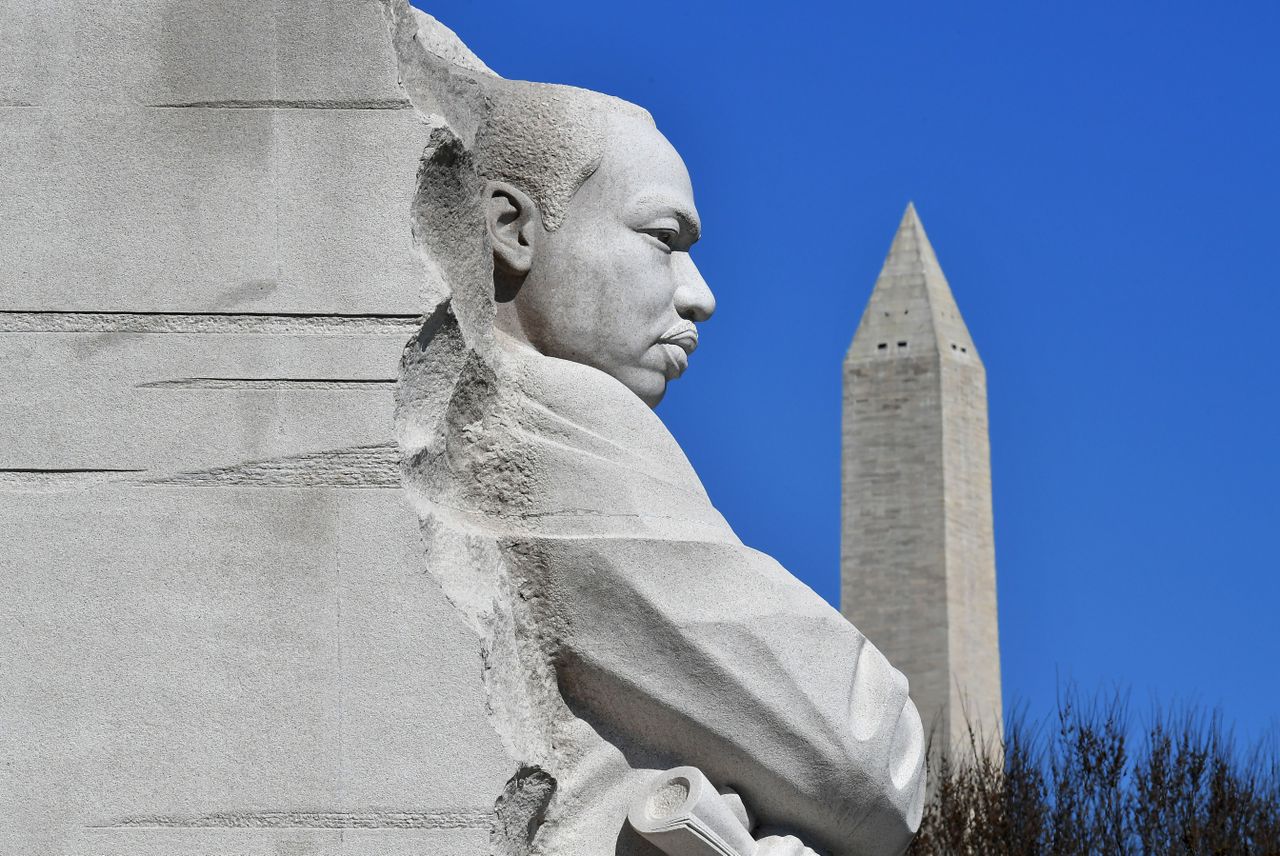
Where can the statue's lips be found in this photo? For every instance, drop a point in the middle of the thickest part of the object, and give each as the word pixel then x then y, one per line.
pixel 677 344
pixel 684 334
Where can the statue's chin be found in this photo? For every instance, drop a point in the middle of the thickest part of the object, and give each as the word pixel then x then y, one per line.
pixel 646 377
pixel 650 393
pixel 648 384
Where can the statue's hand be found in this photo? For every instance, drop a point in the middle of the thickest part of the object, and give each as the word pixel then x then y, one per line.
pixel 783 845
pixel 683 814
pixel 770 845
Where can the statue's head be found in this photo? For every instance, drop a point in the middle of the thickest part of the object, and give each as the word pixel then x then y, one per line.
pixel 591 259
pixel 589 215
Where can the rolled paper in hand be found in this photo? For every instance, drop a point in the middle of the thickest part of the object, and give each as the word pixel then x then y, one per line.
pixel 681 814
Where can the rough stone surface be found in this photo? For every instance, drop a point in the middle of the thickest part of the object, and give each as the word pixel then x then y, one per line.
pixel 918 559
pixel 626 630
pixel 215 632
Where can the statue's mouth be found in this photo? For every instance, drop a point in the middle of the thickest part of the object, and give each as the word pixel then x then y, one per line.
pixel 682 334
pixel 676 360
pixel 677 344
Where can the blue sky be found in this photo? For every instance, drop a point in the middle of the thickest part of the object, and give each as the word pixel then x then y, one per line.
pixel 1101 184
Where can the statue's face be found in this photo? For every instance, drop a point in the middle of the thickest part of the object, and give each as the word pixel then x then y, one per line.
pixel 614 287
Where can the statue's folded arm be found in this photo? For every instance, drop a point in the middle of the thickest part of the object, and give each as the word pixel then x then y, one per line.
pixel 714 656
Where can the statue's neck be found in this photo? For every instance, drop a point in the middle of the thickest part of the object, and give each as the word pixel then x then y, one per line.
pixel 507 320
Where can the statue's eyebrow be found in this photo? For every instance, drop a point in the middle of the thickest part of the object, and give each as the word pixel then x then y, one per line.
pixel 651 205
pixel 689 223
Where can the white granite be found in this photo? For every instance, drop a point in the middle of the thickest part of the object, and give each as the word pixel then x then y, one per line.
pixel 215 634
pixel 274 582
pixel 626 629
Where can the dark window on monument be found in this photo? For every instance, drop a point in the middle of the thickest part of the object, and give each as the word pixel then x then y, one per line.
pixel 964 350
pixel 902 344
pixel 882 346
pixel 953 346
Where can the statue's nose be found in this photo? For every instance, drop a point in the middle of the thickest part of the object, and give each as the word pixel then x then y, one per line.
pixel 694 300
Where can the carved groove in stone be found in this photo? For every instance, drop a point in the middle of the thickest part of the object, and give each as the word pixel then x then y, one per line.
pixel 370 819
pixel 303 104
pixel 56 480
pixel 203 322
pixel 255 383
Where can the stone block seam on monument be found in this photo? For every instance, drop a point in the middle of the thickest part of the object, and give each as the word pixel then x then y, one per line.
pixel 263 383
pixel 50 480
pixel 299 819
pixel 58 321
pixel 281 104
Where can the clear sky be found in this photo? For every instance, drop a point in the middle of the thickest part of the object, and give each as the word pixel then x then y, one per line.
pixel 1101 184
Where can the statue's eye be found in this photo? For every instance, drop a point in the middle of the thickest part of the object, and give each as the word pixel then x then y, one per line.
pixel 664 236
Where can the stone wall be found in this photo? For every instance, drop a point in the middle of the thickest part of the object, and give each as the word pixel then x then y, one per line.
pixel 893 564
pixel 973 628
pixel 215 634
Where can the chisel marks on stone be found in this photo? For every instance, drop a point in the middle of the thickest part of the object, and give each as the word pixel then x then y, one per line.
pixel 376 466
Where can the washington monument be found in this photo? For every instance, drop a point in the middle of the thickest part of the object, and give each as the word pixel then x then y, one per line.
pixel 918 558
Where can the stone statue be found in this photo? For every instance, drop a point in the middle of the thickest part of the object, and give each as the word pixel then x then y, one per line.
pixel 625 629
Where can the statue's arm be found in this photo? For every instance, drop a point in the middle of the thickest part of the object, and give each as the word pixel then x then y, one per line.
pixel 712 655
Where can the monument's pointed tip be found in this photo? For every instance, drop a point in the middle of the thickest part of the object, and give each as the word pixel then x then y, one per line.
pixel 911 301
pixel 911 244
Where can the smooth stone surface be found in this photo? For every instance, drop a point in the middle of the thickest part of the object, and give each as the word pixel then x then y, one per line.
pixel 176 653
pixel 187 51
pixel 174 402
pixel 215 634
pixel 209 210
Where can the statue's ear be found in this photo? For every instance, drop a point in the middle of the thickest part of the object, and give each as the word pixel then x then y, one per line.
pixel 513 222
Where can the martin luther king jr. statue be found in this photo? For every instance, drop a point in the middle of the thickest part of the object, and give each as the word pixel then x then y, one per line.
pixel 625 630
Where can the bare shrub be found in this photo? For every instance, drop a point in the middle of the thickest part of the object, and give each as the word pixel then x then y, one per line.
pixel 1076 787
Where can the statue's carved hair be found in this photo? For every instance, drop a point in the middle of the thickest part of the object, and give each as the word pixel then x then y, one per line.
pixel 546 139
pixel 543 138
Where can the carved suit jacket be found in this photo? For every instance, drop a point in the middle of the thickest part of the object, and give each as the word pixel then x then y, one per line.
pixel 625 628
